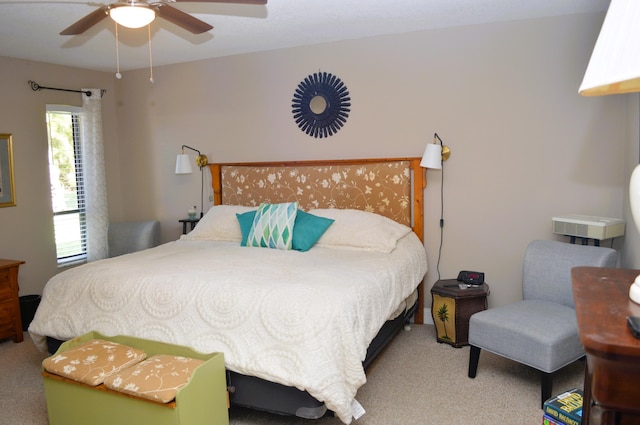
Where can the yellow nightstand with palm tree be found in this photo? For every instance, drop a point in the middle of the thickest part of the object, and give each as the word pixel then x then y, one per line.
pixel 452 305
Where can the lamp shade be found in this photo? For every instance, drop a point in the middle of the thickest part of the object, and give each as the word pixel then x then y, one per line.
pixel 432 157
pixel 132 16
pixel 183 164
pixel 614 66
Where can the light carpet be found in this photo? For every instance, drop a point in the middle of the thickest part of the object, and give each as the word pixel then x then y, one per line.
pixel 415 381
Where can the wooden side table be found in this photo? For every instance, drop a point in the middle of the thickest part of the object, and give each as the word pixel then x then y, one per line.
pixel 451 308
pixel 10 321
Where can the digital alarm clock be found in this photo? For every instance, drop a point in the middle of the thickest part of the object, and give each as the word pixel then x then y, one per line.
pixel 471 278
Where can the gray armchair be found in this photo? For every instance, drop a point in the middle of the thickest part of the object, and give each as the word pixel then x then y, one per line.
pixel 541 330
pixel 131 236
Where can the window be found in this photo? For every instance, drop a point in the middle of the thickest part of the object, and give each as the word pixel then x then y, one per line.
pixel 67 184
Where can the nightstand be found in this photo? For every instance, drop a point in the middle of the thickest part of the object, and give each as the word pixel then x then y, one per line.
pixel 192 221
pixel 10 322
pixel 451 308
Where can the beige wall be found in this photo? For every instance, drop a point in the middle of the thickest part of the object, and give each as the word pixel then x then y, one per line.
pixel 525 146
pixel 26 230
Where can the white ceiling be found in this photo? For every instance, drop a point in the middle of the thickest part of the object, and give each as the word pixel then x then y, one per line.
pixel 30 29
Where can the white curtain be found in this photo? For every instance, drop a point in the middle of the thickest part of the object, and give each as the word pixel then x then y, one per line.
pixel 94 176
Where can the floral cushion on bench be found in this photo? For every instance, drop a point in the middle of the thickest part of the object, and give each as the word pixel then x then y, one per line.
pixel 92 362
pixel 158 378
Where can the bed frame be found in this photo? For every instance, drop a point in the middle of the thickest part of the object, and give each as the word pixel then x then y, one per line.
pixel 392 187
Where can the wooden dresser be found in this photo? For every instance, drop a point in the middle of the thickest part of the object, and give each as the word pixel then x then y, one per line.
pixel 10 323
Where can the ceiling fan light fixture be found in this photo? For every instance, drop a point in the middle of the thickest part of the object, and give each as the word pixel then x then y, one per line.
pixel 132 15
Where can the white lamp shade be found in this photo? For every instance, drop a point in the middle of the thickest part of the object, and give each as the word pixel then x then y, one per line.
pixel 132 16
pixel 183 164
pixel 615 62
pixel 432 157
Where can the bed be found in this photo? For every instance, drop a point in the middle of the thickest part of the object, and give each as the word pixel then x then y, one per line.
pixel 299 326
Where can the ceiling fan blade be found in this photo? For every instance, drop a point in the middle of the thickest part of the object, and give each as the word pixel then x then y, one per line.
pixel 87 22
pixel 224 1
pixel 181 19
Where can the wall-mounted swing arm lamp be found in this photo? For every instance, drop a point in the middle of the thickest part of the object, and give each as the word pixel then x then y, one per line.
pixel 434 154
pixel 183 166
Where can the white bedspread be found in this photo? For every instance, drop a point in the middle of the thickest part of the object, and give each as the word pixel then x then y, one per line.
pixel 299 319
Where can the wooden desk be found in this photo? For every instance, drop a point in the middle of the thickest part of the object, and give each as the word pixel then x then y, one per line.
pixel 612 373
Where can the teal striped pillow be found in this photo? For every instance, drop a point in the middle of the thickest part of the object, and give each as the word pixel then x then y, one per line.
pixel 307 229
pixel 273 226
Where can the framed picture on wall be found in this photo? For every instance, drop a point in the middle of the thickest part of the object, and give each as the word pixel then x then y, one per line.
pixel 7 187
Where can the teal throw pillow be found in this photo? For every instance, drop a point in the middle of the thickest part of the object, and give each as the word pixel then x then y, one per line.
pixel 246 221
pixel 307 229
pixel 273 226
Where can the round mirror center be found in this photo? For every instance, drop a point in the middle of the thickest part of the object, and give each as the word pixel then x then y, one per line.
pixel 318 104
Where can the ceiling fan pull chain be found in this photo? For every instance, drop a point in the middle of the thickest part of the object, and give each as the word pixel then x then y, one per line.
pixel 150 56
pixel 118 75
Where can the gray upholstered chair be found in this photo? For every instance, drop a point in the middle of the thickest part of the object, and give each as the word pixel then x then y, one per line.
pixel 131 236
pixel 541 330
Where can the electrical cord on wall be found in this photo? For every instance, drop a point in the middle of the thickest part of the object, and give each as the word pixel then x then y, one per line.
pixel 441 222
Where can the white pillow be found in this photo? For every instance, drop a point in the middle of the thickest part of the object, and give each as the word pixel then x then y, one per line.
pixel 219 224
pixel 360 230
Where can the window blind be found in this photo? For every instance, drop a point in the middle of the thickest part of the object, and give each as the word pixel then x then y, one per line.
pixel 67 182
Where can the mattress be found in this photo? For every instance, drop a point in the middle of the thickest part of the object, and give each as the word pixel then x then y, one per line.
pixel 300 319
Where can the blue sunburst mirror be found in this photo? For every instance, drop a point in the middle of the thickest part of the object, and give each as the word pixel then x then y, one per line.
pixel 321 104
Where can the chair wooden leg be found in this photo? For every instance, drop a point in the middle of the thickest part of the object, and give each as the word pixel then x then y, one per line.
pixel 474 356
pixel 547 386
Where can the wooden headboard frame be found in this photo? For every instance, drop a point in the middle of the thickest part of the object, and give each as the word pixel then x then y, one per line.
pixel 418 183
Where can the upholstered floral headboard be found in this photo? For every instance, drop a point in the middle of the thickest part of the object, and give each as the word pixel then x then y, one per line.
pixel 383 186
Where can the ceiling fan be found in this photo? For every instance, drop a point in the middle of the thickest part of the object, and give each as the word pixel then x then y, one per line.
pixel 138 13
